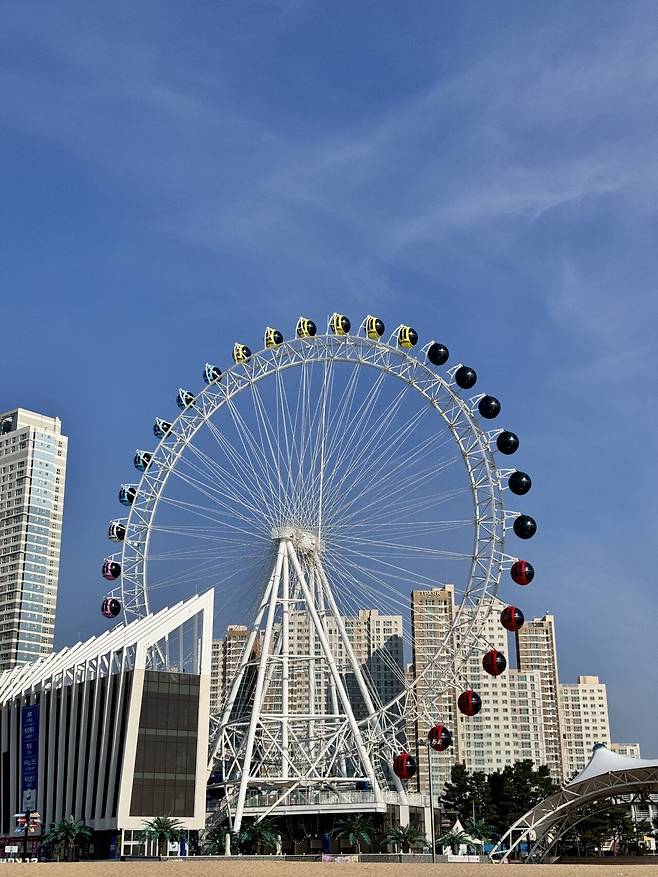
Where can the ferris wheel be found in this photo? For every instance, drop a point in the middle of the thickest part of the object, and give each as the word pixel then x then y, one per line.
pixel 319 485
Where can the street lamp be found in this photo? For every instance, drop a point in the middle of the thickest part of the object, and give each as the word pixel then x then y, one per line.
pixel 431 788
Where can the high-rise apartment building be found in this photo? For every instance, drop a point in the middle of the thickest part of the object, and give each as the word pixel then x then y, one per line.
pixel 510 724
pixel 537 650
pixel 375 639
pixel 584 708
pixel 226 654
pixel 432 618
pixel 32 476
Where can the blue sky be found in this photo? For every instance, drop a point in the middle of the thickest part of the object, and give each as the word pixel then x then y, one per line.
pixel 176 176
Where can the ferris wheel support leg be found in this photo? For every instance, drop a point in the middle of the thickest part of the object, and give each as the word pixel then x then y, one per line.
pixel 332 685
pixel 244 660
pixel 311 670
pixel 333 669
pixel 285 665
pixel 356 667
pixel 258 693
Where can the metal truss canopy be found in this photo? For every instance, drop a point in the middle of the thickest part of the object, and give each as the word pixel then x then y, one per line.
pixel 607 777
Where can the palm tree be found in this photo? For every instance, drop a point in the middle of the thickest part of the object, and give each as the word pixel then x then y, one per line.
pixel 355 829
pixel 260 835
pixel 453 839
pixel 480 829
pixel 405 837
pixel 214 841
pixel 68 832
pixel 163 829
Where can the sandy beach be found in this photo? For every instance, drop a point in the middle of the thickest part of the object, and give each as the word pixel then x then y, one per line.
pixel 220 868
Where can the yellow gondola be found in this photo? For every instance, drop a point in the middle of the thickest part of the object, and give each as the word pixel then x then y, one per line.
pixel 273 337
pixel 241 353
pixel 339 324
pixel 305 328
pixel 374 328
pixel 407 337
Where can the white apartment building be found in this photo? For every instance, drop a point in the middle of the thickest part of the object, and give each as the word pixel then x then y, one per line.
pixel 225 656
pixel 510 725
pixel 32 478
pixel 376 641
pixel 584 708
pixel 537 650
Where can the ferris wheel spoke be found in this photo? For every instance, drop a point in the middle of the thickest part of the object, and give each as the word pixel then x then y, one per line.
pixel 220 476
pixel 349 588
pixel 384 468
pixel 217 497
pixel 398 547
pixel 244 469
pixel 406 485
pixel 267 433
pixel 200 533
pixel 207 514
pixel 363 434
pixel 353 473
pixel 255 457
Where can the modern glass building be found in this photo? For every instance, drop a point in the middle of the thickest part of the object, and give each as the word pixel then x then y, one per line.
pixel 32 476
pixel 112 731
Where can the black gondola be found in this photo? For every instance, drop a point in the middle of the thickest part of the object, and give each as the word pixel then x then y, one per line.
pixel 305 328
pixel 525 527
pixel 141 460
pixel 161 427
pixel 438 354
pixel 465 377
pixel 127 494
pixel 110 607
pixel 489 407
pixel 241 354
pixel 512 618
pixel 116 532
pixel 507 442
pixel 519 483
pixel 184 398
pixel 211 373
pixel 494 662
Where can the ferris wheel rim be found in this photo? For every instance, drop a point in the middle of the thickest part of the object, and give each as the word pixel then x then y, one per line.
pixel 489 515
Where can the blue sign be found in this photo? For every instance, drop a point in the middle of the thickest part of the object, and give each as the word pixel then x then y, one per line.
pixel 30 755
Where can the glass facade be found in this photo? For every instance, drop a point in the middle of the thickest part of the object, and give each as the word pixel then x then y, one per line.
pixel 165 762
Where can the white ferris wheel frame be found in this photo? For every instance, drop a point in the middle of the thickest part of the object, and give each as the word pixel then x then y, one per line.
pixel 490 518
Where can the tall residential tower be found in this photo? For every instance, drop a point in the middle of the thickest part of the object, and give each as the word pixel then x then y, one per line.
pixel 32 474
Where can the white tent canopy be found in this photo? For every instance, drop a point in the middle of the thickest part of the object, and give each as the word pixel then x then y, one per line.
pixel 606 778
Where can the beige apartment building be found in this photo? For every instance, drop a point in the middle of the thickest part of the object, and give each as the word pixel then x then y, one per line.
pixel 32 479
pixel 510 724
pixel 537 651
pixel 375 639
pixel 584 708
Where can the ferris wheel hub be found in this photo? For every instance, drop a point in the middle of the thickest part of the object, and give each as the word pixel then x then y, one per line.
pixel 304 541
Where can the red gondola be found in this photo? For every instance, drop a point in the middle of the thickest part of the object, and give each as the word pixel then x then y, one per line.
pixel 404 765
pixel 494 662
